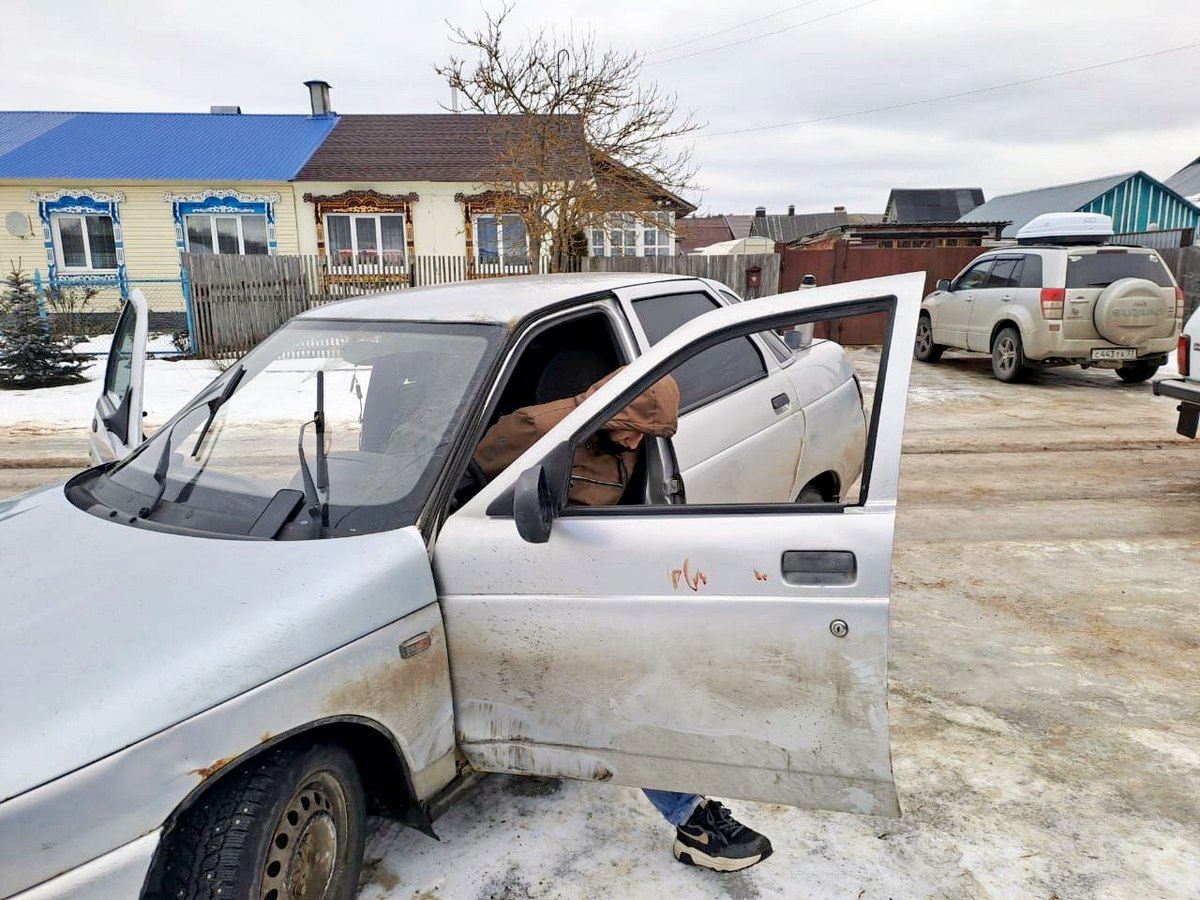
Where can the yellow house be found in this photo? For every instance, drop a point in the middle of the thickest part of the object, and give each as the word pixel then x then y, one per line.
pixel 109 201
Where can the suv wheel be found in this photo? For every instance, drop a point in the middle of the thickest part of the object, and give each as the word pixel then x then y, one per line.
pixel 925 349
pixel 289 825
pixel 1008 357
pixel 1135 373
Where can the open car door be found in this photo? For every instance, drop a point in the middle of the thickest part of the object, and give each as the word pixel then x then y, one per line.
pixel 732 650
pixel 117 420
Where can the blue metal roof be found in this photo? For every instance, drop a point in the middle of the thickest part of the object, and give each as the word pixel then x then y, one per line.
pixel 157 146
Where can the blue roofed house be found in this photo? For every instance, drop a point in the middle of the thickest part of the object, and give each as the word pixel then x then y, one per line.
pixel 110 200
pixel 1135 201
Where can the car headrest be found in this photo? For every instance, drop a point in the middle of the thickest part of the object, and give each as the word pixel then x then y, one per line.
pixel 570 372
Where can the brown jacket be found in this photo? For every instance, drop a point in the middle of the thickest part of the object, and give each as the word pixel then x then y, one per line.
pixel 598 476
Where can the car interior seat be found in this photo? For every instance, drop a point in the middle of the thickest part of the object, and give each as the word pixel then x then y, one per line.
pixel 571 372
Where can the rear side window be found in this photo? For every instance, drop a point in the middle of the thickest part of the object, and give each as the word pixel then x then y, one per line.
pixel 1006 273
pixel 1031 271
pixel 1102 268
pixel 718 370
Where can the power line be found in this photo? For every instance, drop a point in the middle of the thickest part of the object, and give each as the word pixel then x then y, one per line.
pixel 757 37
pixel 713 34
pixel 983 90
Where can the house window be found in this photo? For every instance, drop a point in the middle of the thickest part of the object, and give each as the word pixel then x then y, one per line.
pixel 85 243
pixel 365 240
pixel 626 234
pixel 226 235
pixel 501 240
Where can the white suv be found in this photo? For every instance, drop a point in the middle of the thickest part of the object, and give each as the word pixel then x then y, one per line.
pixel 1186 388
pixel 1057 301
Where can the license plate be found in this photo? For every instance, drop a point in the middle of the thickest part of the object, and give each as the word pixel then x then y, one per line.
pixel 1114 353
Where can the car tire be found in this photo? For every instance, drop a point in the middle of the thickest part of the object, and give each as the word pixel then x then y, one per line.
pixel 290 819
pixel 810 493
pixel 1008 357
pixel 1138 372
pixel 924 348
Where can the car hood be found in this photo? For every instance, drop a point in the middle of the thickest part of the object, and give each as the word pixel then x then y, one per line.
pixel 109 634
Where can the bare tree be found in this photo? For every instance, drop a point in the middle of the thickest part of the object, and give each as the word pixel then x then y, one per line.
pixel 535 81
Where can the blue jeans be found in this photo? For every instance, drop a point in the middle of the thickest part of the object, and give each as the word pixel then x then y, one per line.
pixel 676 808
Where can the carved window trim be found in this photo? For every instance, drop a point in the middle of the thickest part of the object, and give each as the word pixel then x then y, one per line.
pixel 486 203
pixel 363 201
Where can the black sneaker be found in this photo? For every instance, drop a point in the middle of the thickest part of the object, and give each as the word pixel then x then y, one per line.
pixel 714 839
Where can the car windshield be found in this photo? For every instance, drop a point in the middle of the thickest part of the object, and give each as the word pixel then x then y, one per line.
pixel 326 429
pixel 1100 269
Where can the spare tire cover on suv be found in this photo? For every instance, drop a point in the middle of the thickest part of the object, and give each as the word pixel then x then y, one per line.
pixel 1133 310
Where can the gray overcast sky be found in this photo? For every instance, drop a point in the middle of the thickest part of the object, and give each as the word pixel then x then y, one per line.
pixel 153 55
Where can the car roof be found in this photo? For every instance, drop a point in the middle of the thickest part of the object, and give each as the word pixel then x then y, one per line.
pixel 504 301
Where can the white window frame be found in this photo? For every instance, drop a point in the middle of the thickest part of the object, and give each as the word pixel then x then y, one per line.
pixel 658 222
pixel 56 220
pixel 354 263
pixel 212 226
pixel 502 261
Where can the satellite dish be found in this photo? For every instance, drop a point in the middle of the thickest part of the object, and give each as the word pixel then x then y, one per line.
pixel 17 224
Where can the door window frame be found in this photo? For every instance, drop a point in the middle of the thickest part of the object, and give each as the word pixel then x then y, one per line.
pixel 557 461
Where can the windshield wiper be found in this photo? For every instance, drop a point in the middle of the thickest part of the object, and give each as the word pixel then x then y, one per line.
pixel 217 402
pixel 318 511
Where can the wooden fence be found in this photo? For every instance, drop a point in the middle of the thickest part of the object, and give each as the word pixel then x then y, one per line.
pixel 736 271
pixel 845 262
pixel 236 301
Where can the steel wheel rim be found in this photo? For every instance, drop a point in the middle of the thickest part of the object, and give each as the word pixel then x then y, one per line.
pixel 924 338
pixel 1006 349
pixel 306 842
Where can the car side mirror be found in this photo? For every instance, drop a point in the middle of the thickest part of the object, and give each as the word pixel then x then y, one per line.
pixel 533 506
pixel 943 284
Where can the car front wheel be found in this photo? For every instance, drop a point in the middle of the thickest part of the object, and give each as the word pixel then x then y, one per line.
pixel 287 827
pixel 925 349
pixel 1138 372
pixel 1008 357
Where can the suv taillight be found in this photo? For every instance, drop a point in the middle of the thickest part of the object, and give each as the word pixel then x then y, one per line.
pixel 1178 302
pixel 1182 356
pixel 1052 302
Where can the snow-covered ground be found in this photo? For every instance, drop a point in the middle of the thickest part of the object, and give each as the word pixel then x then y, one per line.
pixel 169 384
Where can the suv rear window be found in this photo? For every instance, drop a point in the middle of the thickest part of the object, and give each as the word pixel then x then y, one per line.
pixel 1102 268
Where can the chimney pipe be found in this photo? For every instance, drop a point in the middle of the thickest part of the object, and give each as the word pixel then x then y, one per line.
pixel 839 209
pixel 318 95
pixel 791 209
pixel 760 212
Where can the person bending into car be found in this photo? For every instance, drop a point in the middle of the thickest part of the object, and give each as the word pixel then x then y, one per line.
pixel 705 832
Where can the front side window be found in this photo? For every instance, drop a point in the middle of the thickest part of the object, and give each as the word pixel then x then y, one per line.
pixel 713 372
pixel 367 240
pixel 85 242
pixel 974 277
pixel 118 374
pixel 236 235
pixel 501 240
pixel 392 396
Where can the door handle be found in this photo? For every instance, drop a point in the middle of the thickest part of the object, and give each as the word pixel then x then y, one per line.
pixel 819 567
pixel 1006 297
pixel 779 401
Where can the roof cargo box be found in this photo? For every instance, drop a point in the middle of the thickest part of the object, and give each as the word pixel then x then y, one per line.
pixel 1066 228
